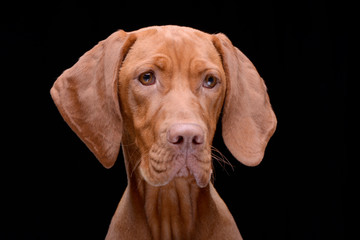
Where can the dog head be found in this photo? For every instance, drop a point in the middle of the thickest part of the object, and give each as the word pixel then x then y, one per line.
pixel 161 90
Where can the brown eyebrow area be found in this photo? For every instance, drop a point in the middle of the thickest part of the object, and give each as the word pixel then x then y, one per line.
pixel 160 61
pixel 201 66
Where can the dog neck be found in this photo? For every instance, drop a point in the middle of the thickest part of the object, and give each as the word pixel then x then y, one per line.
pixel 172 211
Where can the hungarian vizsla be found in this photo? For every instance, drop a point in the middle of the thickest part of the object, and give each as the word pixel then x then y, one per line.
pixel 159 91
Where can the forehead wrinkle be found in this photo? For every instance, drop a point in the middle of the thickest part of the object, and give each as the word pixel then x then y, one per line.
pixel 198 65
pixel 183 53
pixel 162 61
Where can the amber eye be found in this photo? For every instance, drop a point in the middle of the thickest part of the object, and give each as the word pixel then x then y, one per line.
pixel 147 78
pixel 210 81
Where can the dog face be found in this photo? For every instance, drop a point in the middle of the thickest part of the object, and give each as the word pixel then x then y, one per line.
pixel 160 90
pixel 172 86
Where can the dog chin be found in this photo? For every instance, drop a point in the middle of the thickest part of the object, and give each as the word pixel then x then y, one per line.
pixel 201 179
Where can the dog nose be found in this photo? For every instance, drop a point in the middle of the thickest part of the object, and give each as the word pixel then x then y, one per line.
pixel 185 135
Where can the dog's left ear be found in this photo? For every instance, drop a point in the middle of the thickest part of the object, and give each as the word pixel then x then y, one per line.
pixel 87 97
pixel 248 120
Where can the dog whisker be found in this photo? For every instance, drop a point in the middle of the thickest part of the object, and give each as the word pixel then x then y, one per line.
pixel 220 158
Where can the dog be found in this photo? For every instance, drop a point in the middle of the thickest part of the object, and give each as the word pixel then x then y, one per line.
pixel 159 91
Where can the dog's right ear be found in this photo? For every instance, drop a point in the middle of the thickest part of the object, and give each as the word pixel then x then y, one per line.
pixel 86 95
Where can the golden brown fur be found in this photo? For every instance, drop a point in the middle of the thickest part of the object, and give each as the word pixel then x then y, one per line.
pixel 169 193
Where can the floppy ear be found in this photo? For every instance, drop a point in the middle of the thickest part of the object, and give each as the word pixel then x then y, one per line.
pixel 87 97
pixel 248 120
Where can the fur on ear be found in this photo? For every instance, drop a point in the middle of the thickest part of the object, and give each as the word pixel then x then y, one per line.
pixel 248 120
pixel 86 95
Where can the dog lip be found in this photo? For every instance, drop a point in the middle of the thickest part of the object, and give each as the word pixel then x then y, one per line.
pixel 183 165
pixel 202 178
pixel 158 170
pixel 183 172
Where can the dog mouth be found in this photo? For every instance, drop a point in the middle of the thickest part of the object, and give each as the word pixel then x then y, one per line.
pixel 161 172
pixel 202 179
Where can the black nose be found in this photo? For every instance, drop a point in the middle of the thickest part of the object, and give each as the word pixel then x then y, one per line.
pixel 185 135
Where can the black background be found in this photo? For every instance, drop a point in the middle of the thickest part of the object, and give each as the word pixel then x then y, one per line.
pixel 54 188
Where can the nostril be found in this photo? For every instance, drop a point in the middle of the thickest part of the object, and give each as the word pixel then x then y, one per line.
pixel 198 139
pixel 185 135
pixel 178 140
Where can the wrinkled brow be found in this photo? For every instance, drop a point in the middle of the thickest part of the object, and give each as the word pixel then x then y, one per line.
pixel 160 61
pixel 199 66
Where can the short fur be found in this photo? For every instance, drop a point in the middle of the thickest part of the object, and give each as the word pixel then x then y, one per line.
pixel 169 193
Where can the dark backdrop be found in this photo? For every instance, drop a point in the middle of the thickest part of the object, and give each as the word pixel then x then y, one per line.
pixel 53 186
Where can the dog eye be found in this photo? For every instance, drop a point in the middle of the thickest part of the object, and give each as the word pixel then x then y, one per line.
pixel 210 81
pixel 147 78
